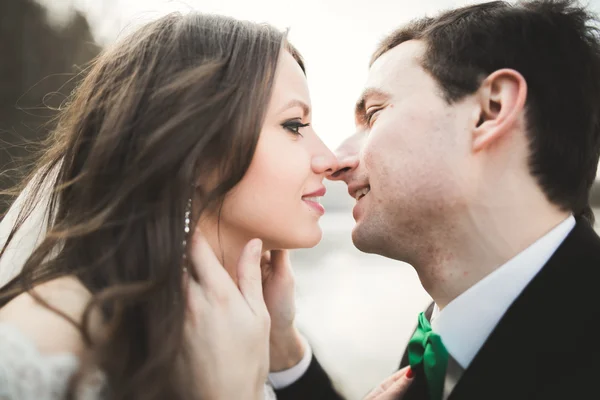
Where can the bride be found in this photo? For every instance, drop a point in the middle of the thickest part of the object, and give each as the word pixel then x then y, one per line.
pixel 188 137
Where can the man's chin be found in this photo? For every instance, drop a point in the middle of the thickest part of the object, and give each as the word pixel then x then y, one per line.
pixel 361 239
pixel 369 240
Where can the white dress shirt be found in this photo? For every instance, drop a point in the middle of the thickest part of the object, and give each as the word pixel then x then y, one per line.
pixel 466 322
pixel 480 308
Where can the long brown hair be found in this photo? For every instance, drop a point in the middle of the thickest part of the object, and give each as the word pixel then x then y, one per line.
pixel 176 103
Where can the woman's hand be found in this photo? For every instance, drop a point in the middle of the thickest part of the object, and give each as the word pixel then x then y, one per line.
pixel 227 327
pixel 394 387
pixel 287 347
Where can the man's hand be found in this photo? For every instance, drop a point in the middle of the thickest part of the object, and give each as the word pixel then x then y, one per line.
pixel 394 387
pixel 227 328
pixel 278 283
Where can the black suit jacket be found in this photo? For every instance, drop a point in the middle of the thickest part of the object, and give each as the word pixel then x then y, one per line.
pixel 544 347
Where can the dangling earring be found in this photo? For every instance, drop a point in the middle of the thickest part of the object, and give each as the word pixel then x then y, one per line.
pixel 186 230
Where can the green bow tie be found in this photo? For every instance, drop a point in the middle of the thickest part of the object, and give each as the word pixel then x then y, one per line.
pixel 426 348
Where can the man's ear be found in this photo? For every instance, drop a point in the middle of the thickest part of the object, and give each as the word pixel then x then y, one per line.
pixel 502 97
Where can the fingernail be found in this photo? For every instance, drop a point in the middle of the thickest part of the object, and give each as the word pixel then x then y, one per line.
pixel 409 373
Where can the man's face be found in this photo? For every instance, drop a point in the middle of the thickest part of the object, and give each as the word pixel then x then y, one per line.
pixel 408 161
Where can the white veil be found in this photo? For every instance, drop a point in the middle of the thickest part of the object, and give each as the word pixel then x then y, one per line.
pixel 28 236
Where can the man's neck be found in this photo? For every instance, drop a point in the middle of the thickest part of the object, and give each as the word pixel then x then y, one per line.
pixel 482 242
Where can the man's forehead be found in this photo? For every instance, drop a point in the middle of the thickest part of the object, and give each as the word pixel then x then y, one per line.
pixel 396 64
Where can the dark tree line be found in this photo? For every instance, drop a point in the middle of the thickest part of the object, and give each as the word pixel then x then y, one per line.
pixel 38 67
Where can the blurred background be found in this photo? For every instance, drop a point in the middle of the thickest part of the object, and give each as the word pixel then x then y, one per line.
pixel 357 310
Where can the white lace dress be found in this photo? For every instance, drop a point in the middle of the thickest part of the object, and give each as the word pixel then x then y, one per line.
pixel 25 374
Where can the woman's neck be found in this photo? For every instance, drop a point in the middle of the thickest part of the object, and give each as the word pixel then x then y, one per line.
pixel 227 244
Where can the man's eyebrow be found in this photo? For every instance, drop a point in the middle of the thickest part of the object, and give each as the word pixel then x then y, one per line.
pixel 296 103
pixel 359 111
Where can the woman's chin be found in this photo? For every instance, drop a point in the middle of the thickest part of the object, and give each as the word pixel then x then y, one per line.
pixel 297 241
pixel 311 243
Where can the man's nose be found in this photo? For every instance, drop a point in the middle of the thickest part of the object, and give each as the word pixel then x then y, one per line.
pixel 347 155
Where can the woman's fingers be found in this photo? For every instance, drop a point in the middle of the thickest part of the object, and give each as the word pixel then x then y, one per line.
pixel 250 277
pixel 394 387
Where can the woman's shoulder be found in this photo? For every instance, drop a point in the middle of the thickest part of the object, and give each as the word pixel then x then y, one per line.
pixel 50 332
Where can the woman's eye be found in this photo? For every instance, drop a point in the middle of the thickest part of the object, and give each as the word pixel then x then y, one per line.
pixel 294 127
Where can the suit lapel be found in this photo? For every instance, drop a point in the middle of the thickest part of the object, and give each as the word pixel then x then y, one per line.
pixel 536 334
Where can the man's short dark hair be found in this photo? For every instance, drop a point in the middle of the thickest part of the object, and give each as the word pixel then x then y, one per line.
pixel 555 46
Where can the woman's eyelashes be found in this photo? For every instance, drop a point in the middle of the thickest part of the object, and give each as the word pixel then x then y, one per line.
pixel 294 126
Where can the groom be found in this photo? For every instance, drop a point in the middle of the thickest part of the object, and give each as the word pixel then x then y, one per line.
pixel 478 142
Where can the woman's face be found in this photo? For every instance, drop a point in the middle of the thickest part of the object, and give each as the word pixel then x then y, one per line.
pixel 278 198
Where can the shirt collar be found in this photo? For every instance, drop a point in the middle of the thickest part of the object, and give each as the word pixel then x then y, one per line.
pixel 483 305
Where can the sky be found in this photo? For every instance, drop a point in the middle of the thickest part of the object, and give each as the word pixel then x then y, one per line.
pixel 336 38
